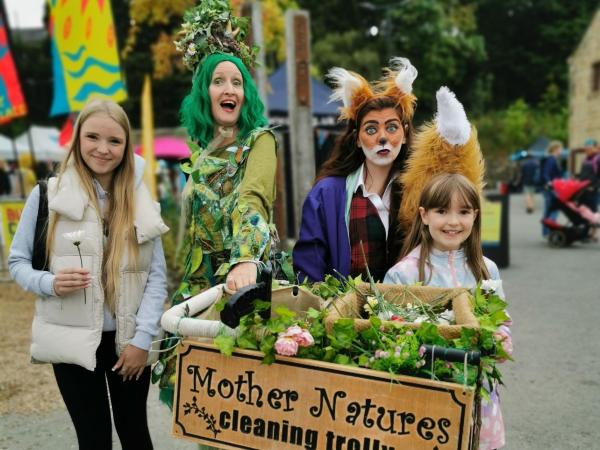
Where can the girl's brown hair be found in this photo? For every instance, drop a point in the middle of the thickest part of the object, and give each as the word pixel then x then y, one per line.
pixel 119 209
pixel 438 193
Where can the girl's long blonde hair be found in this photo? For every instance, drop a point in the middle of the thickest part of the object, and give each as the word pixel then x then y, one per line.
pixel 438 193
pixel 120 210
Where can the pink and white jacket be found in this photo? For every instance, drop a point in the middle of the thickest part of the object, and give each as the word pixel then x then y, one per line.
pixel 450 269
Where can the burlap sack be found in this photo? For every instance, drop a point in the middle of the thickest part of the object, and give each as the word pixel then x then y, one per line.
pixel 351 305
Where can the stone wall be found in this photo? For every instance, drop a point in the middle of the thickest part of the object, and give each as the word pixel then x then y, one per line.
pixel 584 103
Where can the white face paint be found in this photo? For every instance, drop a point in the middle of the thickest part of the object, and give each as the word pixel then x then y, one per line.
pixel 381 136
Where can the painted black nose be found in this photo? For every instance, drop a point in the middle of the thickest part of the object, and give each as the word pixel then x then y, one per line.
pixel 382 141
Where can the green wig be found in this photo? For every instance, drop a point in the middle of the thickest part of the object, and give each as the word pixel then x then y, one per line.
pixel 195 111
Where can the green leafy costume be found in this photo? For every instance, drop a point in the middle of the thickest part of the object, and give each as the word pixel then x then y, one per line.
pixel 227 209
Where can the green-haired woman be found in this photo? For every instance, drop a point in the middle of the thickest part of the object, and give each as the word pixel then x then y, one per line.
pixel 228 199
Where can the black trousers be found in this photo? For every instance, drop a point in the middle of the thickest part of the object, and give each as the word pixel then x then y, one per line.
pixel 86 396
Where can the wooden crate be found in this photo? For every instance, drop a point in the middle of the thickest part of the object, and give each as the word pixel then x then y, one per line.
pixel 238 403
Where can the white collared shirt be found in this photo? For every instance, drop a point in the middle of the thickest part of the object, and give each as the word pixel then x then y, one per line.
pixel 381 203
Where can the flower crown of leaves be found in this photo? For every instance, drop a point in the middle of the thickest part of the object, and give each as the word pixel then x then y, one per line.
pixel 210 28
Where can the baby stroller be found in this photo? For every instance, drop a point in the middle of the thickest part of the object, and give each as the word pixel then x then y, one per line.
pixel 566 197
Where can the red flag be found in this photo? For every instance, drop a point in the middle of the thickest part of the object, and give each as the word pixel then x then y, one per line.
pixel 66 132
pixel 12 103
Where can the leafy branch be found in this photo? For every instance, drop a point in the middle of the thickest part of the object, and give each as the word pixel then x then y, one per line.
pixel 192 408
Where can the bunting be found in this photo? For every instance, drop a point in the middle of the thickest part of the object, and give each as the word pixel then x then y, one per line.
pixel 85 57
pixel 12 102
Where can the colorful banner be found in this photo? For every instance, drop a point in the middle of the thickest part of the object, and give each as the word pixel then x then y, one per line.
pixel 10 213
pixel 85 57
pixel 491 222
pixel 12 102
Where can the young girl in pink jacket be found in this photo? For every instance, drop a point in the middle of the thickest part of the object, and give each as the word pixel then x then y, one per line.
pixel 443 249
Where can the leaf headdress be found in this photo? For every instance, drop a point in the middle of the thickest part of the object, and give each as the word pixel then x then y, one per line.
pixel 209 28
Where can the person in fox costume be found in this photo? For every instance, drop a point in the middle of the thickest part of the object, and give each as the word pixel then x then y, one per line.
pixel 349 216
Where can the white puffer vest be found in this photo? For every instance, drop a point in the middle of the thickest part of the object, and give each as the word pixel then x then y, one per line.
pixel 68 329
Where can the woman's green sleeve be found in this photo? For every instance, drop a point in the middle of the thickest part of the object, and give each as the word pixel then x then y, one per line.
pixel 251 217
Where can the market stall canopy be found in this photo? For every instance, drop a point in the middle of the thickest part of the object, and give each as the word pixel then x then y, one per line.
pixel 6 151
pixel 45 145
pixel 168 147
pixel 278 100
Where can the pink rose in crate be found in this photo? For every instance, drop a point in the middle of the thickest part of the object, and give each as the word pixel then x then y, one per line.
pixel 286 346
pixel 300 335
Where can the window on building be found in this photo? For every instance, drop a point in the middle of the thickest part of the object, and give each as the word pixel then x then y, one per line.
pixel 596 77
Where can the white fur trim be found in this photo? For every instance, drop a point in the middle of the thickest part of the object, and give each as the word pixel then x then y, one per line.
pixel 451 119
pixel 407 73
pixel 345 84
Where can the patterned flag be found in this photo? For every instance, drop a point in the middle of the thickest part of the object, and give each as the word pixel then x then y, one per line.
pixel 12 103
pixel 84 54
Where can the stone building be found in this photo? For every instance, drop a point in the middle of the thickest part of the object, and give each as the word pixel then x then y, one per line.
pixel 584 87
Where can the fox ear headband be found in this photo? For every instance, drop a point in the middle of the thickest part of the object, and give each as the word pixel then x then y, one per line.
pixel 354 91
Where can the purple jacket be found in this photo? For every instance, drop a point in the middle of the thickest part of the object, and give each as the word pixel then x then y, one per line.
pixel 323 244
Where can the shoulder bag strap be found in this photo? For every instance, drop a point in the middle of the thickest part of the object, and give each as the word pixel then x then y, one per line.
pixel 38 258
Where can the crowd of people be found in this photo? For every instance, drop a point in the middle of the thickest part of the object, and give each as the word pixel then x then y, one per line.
pixel 17 178
pixel 537 175
pixel 102 280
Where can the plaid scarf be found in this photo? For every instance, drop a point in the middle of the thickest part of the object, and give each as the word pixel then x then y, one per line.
pixel 365 225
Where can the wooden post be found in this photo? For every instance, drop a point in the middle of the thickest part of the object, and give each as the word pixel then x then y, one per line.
pixel 253 9
pixel 297 36
pixel 280 208
pixel 260 74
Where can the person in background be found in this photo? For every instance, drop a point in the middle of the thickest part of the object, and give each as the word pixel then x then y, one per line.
pixel 443 249
pixel 102 292
pixel 530 179
pixel 551 170
pixel 589 172
pixel 23 179
pixel 5 187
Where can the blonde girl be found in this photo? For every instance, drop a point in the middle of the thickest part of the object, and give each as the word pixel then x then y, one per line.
pixel 104 285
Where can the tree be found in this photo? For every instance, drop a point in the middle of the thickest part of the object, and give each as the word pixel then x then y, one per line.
pixel 528 43
pixel 345 50
pixel 273 15
pixel 440 38
pixel 151 26
pixel 443 42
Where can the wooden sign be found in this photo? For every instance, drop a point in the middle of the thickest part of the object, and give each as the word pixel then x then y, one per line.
pixel 238 403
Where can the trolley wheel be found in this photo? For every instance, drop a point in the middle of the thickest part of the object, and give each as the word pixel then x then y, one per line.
pixel 558 238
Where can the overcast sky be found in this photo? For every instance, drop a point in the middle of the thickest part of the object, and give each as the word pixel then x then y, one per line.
pixel 25 13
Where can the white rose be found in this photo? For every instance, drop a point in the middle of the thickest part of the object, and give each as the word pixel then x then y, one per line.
pixel 491 285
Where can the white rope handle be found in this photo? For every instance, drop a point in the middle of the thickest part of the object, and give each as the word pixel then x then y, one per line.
pixel 175 321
